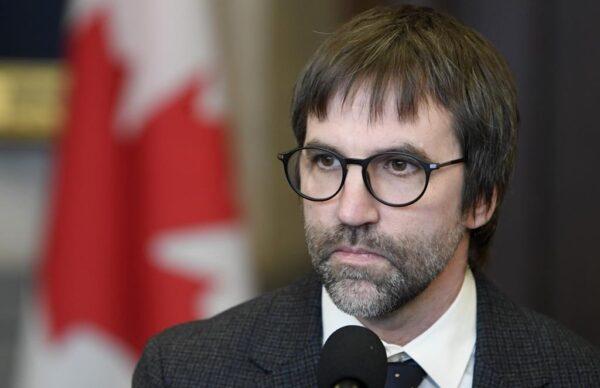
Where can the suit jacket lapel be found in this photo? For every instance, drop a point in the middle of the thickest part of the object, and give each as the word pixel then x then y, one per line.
pixel 287 338
pixel 505 351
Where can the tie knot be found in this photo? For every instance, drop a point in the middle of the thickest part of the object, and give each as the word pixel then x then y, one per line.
pixel 406 374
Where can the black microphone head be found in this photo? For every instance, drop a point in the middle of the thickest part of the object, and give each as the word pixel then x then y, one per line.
pixel 352 353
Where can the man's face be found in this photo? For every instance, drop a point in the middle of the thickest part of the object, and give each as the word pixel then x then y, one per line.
pixel 374 258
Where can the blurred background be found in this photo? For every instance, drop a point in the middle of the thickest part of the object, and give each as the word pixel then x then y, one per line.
pixel 148 77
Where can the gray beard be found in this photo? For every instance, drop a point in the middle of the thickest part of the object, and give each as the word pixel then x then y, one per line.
pixel 366 292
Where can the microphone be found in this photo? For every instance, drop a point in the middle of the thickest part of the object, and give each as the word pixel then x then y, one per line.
pixel 353 356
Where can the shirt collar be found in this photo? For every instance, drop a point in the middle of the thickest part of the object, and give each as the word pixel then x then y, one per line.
pixel 443 350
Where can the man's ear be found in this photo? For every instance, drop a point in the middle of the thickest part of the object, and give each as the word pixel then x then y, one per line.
pixel 481 212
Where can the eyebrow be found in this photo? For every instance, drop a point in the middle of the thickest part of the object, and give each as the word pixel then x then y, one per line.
pixel 405 148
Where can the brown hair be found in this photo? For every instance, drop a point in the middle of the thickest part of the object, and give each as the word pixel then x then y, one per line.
pixel 416 54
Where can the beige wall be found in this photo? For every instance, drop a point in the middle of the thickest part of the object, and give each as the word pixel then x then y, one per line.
pixel 268 43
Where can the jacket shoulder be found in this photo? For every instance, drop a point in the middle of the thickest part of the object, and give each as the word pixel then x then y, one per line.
pixel 525 346
pixel 562 347
pixel 215 344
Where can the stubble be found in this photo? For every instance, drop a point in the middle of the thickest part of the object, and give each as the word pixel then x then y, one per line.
pixel 412 263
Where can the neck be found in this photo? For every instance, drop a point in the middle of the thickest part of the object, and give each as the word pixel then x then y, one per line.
pixel 412 319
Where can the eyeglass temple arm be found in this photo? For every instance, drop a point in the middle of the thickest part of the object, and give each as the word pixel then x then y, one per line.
pixel 435 166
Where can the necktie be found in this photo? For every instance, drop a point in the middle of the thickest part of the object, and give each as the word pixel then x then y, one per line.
pixel 406 374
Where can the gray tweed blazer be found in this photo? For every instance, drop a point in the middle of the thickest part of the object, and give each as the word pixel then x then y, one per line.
pixel 275 339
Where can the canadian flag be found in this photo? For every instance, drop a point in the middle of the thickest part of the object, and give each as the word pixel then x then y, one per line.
pixel 144 232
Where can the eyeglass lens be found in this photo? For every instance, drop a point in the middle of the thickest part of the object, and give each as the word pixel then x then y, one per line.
pixel 394 178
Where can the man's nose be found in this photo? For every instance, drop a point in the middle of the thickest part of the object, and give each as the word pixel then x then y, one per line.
pixel 356 206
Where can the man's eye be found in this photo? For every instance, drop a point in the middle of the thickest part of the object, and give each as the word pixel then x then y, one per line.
pixel 400 167
pixel 325 161
pixel 397 165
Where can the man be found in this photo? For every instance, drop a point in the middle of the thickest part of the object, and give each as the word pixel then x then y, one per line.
pixel 406 125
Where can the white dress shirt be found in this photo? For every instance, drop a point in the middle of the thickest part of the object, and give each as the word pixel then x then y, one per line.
pixel 445 351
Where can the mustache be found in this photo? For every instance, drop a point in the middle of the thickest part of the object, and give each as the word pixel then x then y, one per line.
pixel 327 242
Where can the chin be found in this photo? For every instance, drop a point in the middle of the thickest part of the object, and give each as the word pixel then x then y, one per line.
pixel 360 298
pixel 359 289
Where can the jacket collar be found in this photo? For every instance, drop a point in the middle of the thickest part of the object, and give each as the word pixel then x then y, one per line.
pixel 505 351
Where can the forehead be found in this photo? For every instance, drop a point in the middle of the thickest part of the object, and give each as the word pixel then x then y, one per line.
pixel 350 128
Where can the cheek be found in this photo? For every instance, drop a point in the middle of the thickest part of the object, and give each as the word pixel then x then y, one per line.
pixel 439 208
pixel 418 221
pixel 318 213
pixel 445 191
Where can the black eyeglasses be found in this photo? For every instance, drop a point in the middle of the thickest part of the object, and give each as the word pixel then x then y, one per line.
pixel 393 178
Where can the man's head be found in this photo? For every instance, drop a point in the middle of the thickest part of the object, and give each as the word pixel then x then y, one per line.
pixel 413 80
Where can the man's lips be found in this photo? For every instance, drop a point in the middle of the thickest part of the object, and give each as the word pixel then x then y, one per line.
pixel 356 256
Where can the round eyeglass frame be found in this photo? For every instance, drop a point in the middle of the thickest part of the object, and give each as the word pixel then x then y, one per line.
pixel 428 167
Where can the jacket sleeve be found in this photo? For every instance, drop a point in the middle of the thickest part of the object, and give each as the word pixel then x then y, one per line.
pixel 148 371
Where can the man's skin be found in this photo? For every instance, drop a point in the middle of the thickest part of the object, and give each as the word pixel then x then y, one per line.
pixel 348 130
